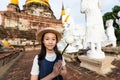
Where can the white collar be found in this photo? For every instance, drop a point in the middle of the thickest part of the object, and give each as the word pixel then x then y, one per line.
pixel 50 56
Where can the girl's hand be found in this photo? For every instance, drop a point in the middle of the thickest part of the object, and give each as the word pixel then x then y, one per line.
pixel 57 68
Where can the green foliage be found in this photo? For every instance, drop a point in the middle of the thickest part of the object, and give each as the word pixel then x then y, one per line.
pixel 117 33
pixel 116 9
pixel 107 16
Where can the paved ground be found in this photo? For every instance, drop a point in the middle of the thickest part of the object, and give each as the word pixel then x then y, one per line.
pixel 21 70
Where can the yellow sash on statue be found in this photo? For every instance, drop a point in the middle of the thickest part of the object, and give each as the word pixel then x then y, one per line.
pixel 66 19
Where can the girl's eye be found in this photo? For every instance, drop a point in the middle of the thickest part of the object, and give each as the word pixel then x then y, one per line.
pixel 46 39
pixel 51 39
pixel 54 39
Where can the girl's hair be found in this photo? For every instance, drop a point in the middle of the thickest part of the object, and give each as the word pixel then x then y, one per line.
pixel 42 53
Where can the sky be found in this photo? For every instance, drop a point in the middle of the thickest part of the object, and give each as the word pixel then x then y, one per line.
pixel 56 5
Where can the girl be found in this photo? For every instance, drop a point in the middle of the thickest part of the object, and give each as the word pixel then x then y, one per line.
pixel 48 64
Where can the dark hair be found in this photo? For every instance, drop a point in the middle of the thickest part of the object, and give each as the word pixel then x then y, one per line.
pixel 42 53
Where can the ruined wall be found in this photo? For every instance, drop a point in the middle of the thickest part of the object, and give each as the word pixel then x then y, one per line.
pixel 23 26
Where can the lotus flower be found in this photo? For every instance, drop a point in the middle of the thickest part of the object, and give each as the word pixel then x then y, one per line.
pixel 69 40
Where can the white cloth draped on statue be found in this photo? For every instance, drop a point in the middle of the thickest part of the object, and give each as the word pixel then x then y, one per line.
pixel 95 29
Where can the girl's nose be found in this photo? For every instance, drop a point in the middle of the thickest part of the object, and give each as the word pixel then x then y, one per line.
pixel 50 41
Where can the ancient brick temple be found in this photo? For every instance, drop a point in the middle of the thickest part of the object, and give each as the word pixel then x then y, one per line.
pixel 22 24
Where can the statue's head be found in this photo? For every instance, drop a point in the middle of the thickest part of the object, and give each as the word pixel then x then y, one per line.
pixel 118 14
pixel 68 10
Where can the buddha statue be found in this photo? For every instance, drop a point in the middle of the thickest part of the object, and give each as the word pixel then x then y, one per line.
pixel 14 2
pixel 13 6
pixel 45 2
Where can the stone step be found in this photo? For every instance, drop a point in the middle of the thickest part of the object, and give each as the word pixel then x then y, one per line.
pixel 100 66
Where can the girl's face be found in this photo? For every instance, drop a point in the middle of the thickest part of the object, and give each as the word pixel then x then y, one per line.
pixel 49 41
